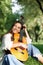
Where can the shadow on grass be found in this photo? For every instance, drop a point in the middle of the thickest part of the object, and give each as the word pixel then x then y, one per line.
pixel 32 61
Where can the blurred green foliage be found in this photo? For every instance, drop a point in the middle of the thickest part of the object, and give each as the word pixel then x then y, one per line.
pixel 33 17
pixel 33 13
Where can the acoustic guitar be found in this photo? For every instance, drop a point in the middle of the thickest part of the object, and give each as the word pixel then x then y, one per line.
pixel 19 52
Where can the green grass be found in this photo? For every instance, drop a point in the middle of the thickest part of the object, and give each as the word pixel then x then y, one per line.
pixel 32 61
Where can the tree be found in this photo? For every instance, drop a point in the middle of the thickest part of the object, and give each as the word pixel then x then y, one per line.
pixel 5 9
pixel 33 13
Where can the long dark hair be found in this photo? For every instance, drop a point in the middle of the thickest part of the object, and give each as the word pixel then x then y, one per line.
pixel 14 24
pixel 21 31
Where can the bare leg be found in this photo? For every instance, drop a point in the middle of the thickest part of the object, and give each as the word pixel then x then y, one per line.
pixel 40 58
pixel 35 52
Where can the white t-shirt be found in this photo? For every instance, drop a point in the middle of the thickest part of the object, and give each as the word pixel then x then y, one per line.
pixel 6 41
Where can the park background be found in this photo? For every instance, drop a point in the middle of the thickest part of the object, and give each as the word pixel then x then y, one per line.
pixel 32 10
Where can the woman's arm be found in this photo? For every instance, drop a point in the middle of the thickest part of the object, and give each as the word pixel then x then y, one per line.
pixel 8 44
pixel 19 44
pixel 27 35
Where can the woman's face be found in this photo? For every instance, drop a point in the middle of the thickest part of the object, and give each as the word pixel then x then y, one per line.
pixel 16 28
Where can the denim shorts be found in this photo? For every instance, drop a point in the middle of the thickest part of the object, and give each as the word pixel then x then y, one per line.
pixel 11 60
pixel 33 51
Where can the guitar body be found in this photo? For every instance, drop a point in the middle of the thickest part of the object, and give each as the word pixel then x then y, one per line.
pixel 20 53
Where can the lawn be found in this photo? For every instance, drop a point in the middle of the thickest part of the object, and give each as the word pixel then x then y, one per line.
pixel 32 61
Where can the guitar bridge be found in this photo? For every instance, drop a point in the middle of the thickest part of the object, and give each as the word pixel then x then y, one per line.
pixel 15 48
pixel 18 50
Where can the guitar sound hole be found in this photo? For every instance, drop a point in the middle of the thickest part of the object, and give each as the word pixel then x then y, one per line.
pixel 22 52
pixel 17 49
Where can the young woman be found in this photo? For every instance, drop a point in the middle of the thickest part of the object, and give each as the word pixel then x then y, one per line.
pixel 8 43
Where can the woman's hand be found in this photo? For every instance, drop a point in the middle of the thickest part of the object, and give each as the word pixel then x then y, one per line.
pixel 24 27
pixel 23 45
pixel 27 35
pixel 19 44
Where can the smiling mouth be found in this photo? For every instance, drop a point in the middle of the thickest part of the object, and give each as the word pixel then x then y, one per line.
pixel 15 30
